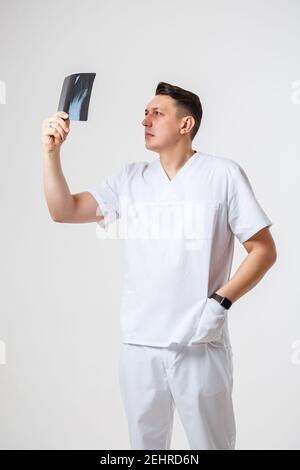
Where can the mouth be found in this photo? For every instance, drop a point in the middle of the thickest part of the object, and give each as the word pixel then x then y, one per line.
pixel 147 134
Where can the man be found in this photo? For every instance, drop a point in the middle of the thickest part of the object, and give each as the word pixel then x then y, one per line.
pixel 182 211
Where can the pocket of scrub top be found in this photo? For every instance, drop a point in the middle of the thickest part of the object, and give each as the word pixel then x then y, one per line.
pixel 211 323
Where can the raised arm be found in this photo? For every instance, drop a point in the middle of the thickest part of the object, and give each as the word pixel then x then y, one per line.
pixel 63 206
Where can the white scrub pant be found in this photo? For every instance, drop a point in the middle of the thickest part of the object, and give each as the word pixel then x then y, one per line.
pixel 197 379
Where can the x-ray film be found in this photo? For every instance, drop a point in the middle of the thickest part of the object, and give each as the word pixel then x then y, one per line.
pixel 75 95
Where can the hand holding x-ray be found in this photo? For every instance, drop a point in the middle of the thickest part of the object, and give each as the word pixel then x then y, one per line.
pixel 73 105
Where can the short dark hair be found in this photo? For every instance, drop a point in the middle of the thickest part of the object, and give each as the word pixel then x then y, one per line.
pixel 187 103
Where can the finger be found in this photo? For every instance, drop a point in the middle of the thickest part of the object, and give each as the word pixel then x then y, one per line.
pixel 59 129
pixel 53 130
pixel 53 134
pixel 63 124
pixel 62 114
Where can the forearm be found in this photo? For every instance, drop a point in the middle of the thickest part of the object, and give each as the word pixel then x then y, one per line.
pixel 59 199
pixel 248 274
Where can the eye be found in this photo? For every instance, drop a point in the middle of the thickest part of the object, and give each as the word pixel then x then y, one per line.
pixel 155 112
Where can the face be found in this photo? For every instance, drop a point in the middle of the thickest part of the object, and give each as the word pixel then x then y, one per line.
pixel 161 121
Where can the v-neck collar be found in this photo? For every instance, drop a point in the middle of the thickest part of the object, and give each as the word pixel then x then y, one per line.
pixel 179 173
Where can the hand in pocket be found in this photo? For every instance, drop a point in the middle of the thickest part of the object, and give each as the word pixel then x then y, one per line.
pixel 211 322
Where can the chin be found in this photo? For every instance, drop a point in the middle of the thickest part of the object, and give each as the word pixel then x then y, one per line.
pixel 148 145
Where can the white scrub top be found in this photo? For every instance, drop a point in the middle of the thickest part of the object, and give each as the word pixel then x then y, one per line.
pixel 178 240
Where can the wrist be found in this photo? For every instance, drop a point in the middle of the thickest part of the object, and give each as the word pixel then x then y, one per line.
pixel 221 299
pixel 51 153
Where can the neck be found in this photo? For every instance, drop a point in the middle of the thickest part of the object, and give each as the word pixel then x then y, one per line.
pixel 172 162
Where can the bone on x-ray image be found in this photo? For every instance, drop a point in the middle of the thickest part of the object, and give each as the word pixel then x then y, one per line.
pixel 75 95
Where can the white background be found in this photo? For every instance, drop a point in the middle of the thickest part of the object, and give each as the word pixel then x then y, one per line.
pixel 60 284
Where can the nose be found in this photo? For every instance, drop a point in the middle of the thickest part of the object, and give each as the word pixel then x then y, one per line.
pixel 146 121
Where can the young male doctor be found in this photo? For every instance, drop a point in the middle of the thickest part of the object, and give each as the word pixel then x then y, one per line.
pixel 178 216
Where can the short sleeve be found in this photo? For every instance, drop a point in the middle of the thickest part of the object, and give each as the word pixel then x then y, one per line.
pixel 107 194
pixel 245 215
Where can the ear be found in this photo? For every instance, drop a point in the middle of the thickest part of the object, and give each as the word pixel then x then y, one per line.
pixel 188 124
